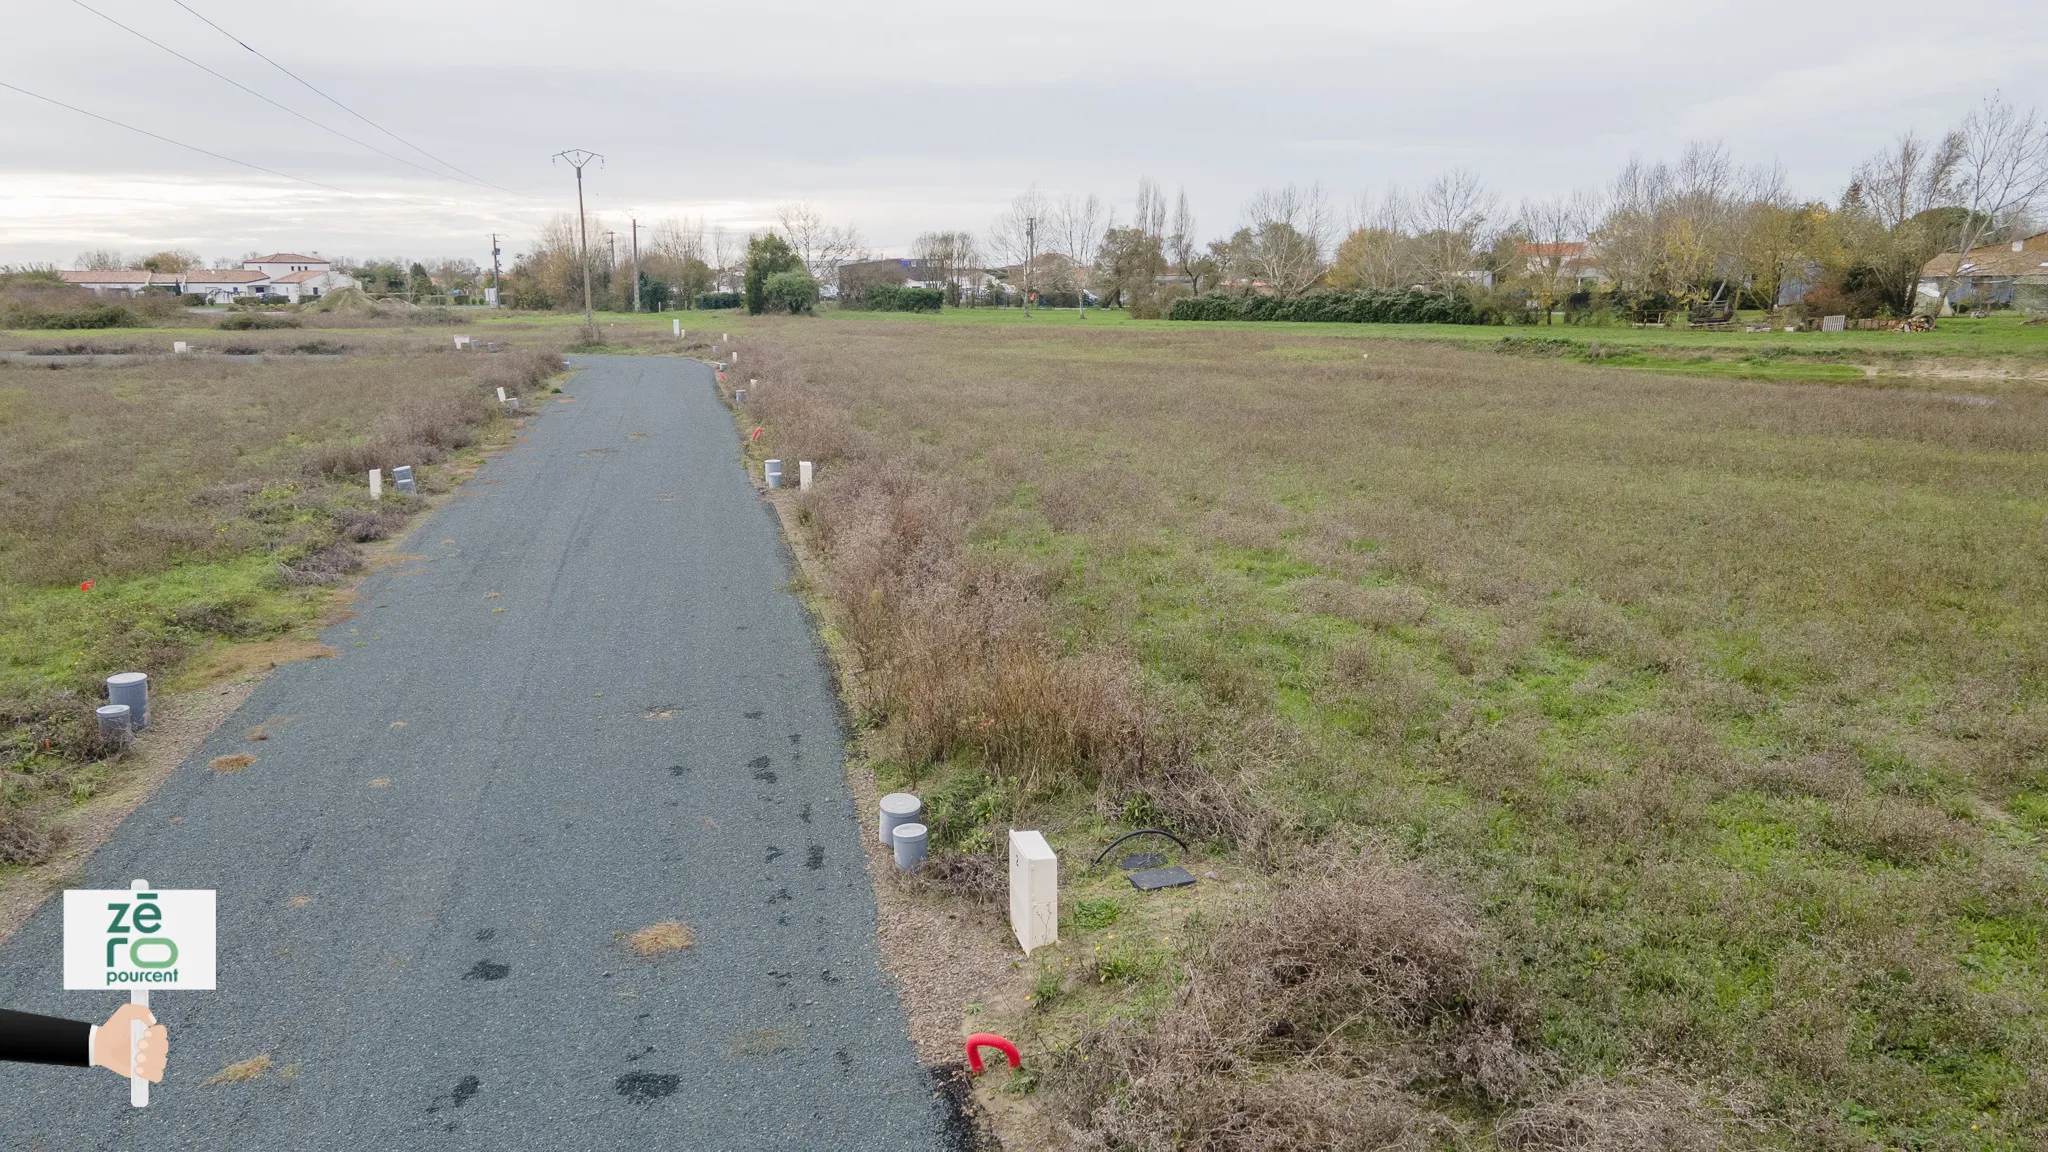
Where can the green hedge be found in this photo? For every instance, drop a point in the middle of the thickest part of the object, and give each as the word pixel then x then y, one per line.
pixel 710 300
pixel 1332 307
pixel 897 298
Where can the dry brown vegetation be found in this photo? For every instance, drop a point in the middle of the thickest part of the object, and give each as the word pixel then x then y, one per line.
pixel 1639 761
pixel 241 1073
pixel 662 939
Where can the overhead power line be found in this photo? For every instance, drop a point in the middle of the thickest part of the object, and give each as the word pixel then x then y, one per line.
pixel 338 104
pixel 168 140
pixel 251 91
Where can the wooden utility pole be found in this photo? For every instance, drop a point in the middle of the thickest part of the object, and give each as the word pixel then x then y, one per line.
pixel 497 282
pixel 577 158
pixel 636 263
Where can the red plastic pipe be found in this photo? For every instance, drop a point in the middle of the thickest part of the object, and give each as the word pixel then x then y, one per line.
pixel 980 1040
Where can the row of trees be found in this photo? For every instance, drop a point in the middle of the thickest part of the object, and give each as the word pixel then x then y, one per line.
pixel 1700 230
pixel 679 260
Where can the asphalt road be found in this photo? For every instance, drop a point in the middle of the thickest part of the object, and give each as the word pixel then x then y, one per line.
pixel 587 706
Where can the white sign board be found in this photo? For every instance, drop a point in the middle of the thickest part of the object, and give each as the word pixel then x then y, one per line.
pixel 1034 890
pixel 121 940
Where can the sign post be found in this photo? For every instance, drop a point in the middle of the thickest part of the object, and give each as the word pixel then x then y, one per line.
pixel 142 939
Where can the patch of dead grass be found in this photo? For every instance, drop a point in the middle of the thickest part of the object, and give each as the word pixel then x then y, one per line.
pixel 250 1069
pixel 662 939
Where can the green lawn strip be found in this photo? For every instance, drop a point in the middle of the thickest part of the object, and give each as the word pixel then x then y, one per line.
pixel 54 638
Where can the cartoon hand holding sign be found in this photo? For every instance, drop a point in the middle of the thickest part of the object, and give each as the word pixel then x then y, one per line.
pixel 140 939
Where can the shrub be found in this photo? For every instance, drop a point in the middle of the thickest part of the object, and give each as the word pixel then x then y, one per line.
pixel 33 305
pixel 1333 307
pixel 709 301
pixel 791 292
pixel 766 256
pixel 245 321
pixel 91 316
pixel 1263 1046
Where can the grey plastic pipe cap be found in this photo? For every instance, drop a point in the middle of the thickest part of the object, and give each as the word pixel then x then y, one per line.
pixel 114 720
pixel 132 689
pixel 910 846
pixel 898 808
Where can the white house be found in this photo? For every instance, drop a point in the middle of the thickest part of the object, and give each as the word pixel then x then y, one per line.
pixel 220 285
pixel 127 281
pixel 287 274
pixel 285 263
pixel 309 284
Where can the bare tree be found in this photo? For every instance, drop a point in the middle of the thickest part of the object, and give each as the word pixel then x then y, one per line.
pixel 2001 170
pixel 1553 252
pixel 1182 244
pixel 1289 232
pixel 1149 214
pixel 1022 233
pixel 728 265
pixel 1377 255
pixel 678 240
pixel 821 245
pixel 952 256
pixel 100 260
pixel 1077 225
pixel 1450 218
pixel 1906 179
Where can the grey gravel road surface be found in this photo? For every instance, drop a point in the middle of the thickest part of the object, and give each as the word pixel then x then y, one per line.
pixel 587 705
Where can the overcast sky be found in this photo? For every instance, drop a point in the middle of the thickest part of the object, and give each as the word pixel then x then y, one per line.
pixel 907 115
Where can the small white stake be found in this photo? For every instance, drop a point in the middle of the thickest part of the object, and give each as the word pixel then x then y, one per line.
pixel 376 483
pixel 501 393
pixel 678 326
pixel 803 475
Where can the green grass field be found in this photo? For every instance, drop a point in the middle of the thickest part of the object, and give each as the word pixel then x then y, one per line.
pixel 1714 710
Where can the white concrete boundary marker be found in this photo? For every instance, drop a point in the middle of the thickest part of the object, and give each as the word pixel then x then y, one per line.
pixel 376 483
pixel 803 475
pixel 1034 890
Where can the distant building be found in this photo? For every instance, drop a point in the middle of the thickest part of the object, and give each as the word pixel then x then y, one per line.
pixel 285 274
pixel 1993 274
pixel 857 277
pixel 1574 260
pixel 128 281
